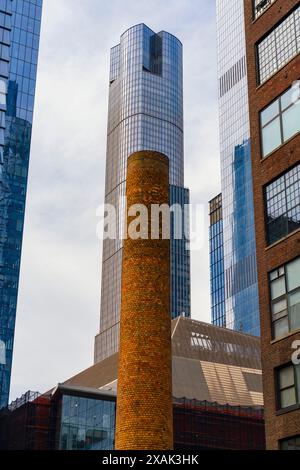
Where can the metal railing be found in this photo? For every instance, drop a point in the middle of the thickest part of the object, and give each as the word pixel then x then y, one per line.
pixel 26 398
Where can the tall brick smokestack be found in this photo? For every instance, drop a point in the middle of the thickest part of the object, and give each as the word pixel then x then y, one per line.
pixel 144 403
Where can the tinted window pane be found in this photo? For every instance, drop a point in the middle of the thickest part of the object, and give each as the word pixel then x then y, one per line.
pixel 271 137
pixel 293 274
pixel 273 275
pixel 291 122
pixel 294 298
pixel 281 327
pixel 297 370
pixel 280 307
pixel 286 377
pixel 278 288
pixel 270 113
pixel 295 311
pixel 292 443
pixel 288 397
pixel 287 98
pixel 284 445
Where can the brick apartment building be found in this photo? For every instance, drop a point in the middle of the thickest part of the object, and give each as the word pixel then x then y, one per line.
pixel 273 46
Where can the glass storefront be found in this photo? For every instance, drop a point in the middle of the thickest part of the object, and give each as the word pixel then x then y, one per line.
pixel 86 423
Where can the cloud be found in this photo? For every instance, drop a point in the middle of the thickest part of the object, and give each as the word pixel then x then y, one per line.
pixel 59 296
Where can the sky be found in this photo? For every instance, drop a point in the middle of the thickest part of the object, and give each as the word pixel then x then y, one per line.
pixel 59 295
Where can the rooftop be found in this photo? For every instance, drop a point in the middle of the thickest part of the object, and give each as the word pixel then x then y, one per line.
pixel 210 364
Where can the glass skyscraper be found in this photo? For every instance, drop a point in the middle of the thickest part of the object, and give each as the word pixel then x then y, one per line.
pixel 145 113
pixel 20 22
pixel 216 247
pixel 240 308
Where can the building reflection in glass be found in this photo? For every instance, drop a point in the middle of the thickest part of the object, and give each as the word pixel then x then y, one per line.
pixel 240 273
pixel 86 423
pixel 19 38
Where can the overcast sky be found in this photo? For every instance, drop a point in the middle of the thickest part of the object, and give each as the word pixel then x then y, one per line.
pixel 59 296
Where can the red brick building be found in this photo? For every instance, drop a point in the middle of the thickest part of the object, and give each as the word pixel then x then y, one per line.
pixel 217 398
pixel 25 423
pixel 273 46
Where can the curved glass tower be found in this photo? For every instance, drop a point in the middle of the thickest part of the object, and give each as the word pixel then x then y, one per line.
pixel 20 22
pixel 145 113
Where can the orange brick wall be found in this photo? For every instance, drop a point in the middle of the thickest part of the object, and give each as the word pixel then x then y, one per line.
pixel 144 404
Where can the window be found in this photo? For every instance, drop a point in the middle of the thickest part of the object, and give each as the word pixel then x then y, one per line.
pixel 3 92
pixel 280 121
pixel 285 298
pixel 288 386
pixel 279 46
pixel 260 6
pixel 86 423
pixel 292 443
pixel 282 201
pixel 2 353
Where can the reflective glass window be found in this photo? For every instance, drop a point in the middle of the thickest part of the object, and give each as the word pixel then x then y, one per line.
pixel 291 122
pixel 87 423
pixel 282 200
pixel 288 386
pixel 285 298
pixel 271 136
pixel 270 113
pixel 280 121
pixel 292 443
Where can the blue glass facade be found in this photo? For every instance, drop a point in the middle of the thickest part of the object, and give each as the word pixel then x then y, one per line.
pixel 86 423
pixel 145 113
pixel 20 22
pixel 240 273
pixel 180 254
pixel 216 248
